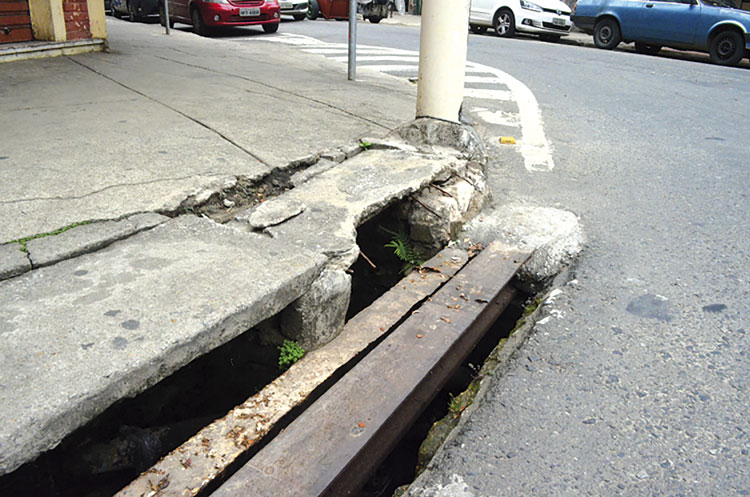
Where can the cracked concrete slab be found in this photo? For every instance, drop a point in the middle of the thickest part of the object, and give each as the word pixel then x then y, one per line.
pixel 130 143
pixel 87 238
pixel 79 335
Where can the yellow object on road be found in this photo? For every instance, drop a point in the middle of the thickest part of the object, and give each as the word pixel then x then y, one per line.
pixel 507 140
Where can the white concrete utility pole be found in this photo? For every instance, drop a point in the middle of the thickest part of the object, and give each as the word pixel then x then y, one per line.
pixel 443 41
pixel 352 61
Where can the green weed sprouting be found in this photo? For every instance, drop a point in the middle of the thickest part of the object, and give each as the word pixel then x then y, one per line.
pixel 289 353
pixel 405 250
pixel 364 145
pixel 25 240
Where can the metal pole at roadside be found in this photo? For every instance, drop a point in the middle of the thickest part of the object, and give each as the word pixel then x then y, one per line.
pixel 443 40
pixel 166 14
pixel 352 40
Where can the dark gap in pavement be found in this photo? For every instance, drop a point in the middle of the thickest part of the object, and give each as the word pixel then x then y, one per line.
pixel 400 467
pixel 100 458
pixel 368 282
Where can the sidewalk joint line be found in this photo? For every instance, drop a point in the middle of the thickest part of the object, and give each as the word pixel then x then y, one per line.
pixel 109 187
pixel 196 121
pixel 281 90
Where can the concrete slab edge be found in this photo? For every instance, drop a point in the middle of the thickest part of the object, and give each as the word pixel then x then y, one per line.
pixel 51 50
pixel 12 265
pixel 83 238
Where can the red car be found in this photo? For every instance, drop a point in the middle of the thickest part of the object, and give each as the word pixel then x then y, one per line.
pixel 207 14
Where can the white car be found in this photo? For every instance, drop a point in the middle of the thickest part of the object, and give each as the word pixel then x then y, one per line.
pixel 294 8
pixel 550 19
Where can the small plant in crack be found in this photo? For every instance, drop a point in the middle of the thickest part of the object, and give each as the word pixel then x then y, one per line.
pixel 289 353
pixel 24 241
pixel 405 250
pixel 364 145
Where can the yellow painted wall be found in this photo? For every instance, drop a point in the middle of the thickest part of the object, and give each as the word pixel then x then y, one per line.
pixel 97 19
pixel 48 20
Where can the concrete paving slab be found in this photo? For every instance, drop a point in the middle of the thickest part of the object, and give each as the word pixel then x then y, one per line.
pixel 98 154
pixel 87 238
pixel 79 335
pixel 161 119
pixel 13 261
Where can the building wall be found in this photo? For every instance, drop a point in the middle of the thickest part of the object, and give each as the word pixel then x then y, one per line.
pixel 77 26
pixel 64 20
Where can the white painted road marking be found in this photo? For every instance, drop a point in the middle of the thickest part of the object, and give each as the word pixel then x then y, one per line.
pixel 532 143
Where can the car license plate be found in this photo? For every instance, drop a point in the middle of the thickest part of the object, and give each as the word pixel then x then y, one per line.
pixel 287 5
pixel 249 11
pixel 558 21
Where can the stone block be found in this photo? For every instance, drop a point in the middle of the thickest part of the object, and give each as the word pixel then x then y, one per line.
pixel 318 316
pixel 77 336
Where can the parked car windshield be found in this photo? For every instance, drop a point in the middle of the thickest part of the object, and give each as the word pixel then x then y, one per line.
pixel 721 3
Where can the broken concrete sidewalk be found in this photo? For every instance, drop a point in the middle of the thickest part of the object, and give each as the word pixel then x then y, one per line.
pixel 80 334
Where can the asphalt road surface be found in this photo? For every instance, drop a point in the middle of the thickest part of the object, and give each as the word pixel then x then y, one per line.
pixel 636 381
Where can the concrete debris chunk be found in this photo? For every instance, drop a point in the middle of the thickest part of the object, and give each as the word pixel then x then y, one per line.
pixel 272 213
pixel 306 174
pixel 555 236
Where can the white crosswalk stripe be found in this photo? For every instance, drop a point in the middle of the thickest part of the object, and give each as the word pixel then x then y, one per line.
pixel 380 58
pixel 491 95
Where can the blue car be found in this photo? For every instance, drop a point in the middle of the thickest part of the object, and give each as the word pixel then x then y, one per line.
pixel 713 26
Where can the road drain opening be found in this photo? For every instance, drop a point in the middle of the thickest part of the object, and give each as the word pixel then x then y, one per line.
pixel 419 444
pixel 387 254
pixel 110 451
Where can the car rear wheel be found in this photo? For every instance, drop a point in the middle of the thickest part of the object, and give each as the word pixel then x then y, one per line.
pixel 727 48
pixel 299 17
pixel 132 14
pixel 313 9
pixel 607 34
pixel 116 13
pixel 199 27
pixel 647 49
pixel 505 24
pixel 478 30
pixel 271 28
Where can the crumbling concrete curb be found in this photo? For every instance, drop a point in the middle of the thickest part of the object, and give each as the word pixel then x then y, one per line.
pixel 434 136
pixel 88 238
pixel 319 315
pixel 555 236
pixel 13 261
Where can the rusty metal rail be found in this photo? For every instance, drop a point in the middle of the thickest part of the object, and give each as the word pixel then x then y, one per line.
pixel 330 449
